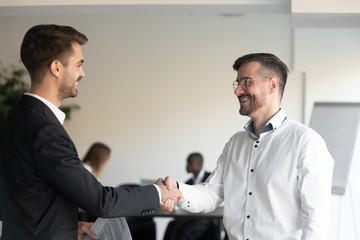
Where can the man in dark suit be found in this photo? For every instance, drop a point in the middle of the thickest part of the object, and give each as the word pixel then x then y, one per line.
pixel 42 180
pixel 194 165
pixel 192 229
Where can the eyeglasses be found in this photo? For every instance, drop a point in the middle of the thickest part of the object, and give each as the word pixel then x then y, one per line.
pixel 244 83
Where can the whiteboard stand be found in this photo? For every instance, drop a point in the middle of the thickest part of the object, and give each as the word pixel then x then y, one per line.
pixel 338 124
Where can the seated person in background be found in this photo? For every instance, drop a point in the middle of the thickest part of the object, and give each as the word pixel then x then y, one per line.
pixel 185 228
pixel 96 158
pixel 195 166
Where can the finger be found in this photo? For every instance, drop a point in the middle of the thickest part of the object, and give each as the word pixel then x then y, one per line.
pixel 180 196
pixel 170 204
pixel 167 205
pixel 169 183
pixel 85 228
pixel 160 181
pixel 91 234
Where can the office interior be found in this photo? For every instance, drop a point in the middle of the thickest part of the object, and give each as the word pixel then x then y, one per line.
pixel 159 75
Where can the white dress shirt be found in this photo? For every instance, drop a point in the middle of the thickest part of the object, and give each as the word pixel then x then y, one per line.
pixel 276 187
pixel 89 168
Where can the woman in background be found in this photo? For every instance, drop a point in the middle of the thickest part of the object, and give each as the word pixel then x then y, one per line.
pixel 96 158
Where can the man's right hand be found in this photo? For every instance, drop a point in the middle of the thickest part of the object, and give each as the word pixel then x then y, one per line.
pixel 170 195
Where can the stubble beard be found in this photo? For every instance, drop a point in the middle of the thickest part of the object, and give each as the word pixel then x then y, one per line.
pixel 66 90
pixel 252 107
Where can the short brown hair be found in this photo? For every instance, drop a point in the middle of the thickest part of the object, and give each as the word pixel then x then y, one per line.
pixel 268 61
pixel 43 44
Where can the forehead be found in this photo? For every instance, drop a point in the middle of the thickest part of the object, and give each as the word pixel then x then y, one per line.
pixel 249 69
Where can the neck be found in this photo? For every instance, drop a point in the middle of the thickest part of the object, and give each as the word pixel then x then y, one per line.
pixel 260 120
pixel 49 94
pixel 196 174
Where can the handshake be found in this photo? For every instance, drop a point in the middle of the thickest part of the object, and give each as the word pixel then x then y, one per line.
pixel 170 194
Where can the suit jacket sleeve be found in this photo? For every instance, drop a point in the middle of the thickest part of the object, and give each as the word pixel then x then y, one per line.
pixel 57 161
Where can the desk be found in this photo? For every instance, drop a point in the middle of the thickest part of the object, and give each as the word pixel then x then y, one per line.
pixel 179 213
pixel 215 215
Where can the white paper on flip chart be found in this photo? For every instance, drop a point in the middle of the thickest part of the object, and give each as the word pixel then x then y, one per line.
pixel 111 229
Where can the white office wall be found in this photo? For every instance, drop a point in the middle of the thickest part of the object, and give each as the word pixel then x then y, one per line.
pixel 325 6
pixel 330 59
pixel 158 87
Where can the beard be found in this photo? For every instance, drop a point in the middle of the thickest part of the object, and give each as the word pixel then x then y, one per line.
pixel 252 105
pixel 68 88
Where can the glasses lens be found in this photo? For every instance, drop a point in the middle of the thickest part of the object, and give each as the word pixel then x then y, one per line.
pixel 235 85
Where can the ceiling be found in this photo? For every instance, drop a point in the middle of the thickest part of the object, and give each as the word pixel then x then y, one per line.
pixel 223 8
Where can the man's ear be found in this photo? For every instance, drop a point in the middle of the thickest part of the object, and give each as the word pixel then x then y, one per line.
pixel 274 83
pixel 56 68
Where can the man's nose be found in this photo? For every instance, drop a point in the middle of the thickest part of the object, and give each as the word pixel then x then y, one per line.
pixel 238 91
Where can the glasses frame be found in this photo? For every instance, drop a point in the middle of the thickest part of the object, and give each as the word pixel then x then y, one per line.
pixel 245 82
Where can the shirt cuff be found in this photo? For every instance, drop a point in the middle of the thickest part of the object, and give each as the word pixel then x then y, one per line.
pixel 159 192
pixel 182 202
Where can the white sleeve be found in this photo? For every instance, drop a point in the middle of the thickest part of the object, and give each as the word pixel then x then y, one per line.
pixel 315 170
pixel 207 196
pixel 158 190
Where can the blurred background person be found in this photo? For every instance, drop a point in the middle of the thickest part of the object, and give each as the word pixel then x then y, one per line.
pixel 96 158
pixel 195 166
pixel 193 228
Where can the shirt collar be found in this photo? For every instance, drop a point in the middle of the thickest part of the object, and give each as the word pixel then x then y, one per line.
pixel 60 115
pixel 273 124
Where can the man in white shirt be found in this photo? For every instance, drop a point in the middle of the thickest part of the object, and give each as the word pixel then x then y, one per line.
pixel 275 177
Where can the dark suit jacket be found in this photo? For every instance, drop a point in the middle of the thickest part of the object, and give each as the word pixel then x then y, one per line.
pixel 191 181
pixel 43 182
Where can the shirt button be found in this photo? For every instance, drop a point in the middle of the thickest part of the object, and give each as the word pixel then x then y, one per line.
pixel 251 170
pixel 256 146
pixel 250 193
pixel 248 216
pixel 257 141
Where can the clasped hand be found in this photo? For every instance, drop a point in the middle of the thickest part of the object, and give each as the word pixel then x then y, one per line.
pixel 170 195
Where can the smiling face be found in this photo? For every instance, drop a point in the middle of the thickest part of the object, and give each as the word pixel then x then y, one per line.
pixel 73 72
pixel 254 98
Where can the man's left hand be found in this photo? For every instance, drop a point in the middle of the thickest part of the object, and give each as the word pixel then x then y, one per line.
pixel 84 229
